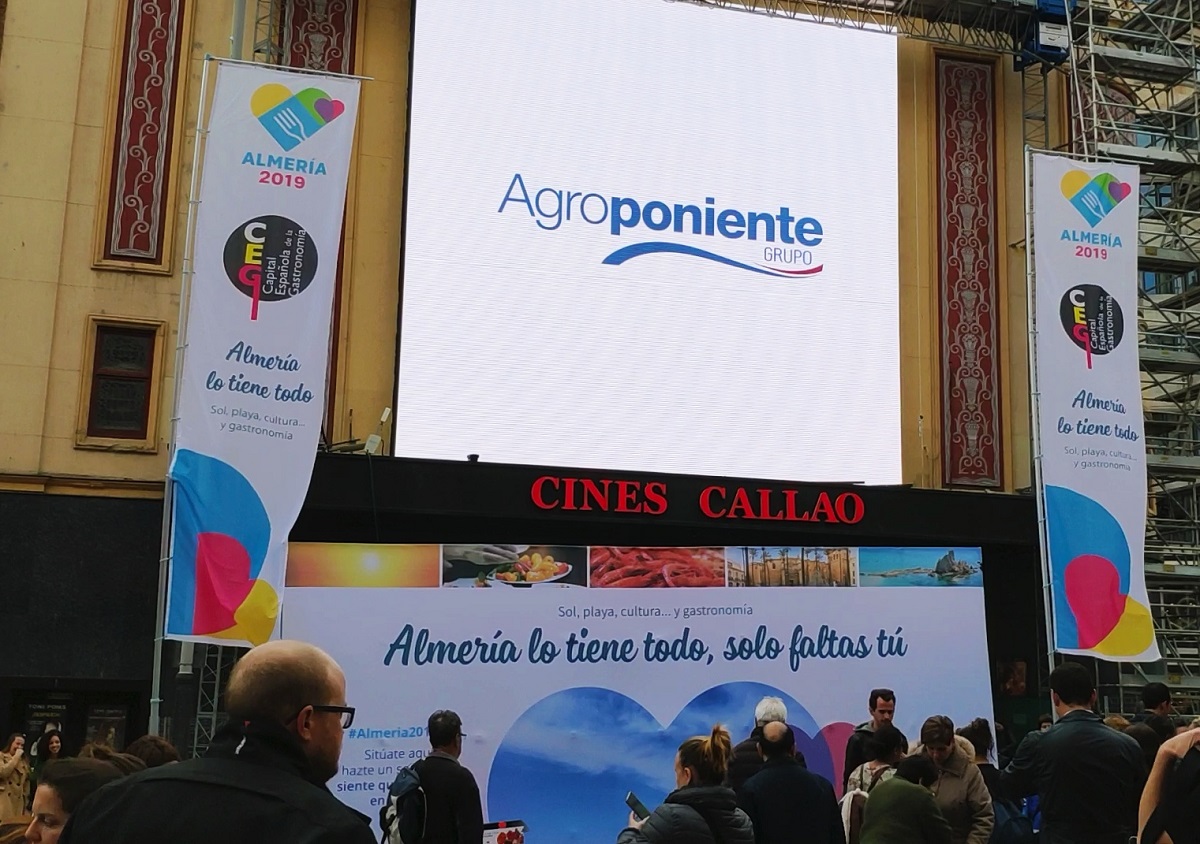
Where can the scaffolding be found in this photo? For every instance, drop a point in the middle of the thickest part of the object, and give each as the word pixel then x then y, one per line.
pixel 268 31
pixel 214 672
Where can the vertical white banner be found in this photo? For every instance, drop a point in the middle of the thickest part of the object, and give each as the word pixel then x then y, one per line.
pixel 268 232
pixel 1093 454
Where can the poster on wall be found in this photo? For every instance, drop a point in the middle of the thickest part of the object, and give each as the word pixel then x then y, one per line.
pixel 578 670
pixel 613 258
pixel 106 725
pixel 46 714
pixel 1089 406
pixel 267 240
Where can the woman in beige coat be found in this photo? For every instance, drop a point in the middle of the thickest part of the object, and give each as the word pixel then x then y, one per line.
pixel 14 778
pixel 959 791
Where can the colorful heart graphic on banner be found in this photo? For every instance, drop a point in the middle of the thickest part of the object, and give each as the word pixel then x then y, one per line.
pixel 1092 197
pixel 221 536
pixel 329 109
pixel 1091 578
pixel 1119 190
pixel 291 119
pixel 567 762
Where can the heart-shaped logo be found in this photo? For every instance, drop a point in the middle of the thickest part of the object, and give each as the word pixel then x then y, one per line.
pixel 329 109
pixel 1093 197
pixel 222 581
pixel 1119 190
pixel 567 763
pixel 1094 594
pixel 291 119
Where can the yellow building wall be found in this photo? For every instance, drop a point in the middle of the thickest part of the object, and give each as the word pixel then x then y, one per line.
pixel 56 93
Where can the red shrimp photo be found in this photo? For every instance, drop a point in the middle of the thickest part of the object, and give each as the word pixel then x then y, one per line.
pixel 613 567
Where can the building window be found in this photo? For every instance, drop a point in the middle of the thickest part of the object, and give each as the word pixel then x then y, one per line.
pixel 120 379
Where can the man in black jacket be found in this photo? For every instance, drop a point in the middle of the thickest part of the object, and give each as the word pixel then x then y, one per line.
pixel 746 760
pixel 1156 700
pixel 453 811
pixel 263 778
pixel 1088 776
pixel 787 803
pixel 882 705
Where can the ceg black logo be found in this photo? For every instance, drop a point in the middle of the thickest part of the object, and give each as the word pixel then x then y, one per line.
pixel 270 259
pixel 1092 319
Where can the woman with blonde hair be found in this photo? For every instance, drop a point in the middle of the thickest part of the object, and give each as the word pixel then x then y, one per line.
pixel 14 778
pixel 701 809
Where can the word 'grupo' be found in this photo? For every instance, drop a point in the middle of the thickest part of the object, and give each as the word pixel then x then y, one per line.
pixel 551 492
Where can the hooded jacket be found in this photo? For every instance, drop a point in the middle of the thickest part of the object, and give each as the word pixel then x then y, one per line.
pixel 254 786
pixel 690 815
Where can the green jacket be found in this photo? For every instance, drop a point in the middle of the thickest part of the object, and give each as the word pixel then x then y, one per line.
pixel 901 812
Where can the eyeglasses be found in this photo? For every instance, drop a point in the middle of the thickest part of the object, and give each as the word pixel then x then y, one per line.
pixel 347 713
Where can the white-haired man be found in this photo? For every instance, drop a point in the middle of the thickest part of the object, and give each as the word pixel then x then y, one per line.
pixel 746 760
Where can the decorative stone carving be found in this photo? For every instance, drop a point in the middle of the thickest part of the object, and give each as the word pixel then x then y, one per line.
pixel 968 272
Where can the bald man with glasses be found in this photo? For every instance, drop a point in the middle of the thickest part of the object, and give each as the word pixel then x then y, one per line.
pixel 263 778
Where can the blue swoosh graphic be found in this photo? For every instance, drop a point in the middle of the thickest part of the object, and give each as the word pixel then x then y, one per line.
pixel 636 249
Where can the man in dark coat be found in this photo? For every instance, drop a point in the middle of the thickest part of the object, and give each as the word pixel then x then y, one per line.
pixel 882 705
pixel 787 803
pixel 453 811
pixel 746 760
pixel 263 778
pixel 1156 700
pixel 1088 776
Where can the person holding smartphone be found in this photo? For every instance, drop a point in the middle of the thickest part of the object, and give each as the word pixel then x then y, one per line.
pixel 701 810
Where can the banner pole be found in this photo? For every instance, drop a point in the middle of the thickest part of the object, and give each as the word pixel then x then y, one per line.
pixel 1035 412
pixel 328 74
pixel 164 556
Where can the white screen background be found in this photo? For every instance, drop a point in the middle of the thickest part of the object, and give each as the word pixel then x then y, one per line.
pixel 519 345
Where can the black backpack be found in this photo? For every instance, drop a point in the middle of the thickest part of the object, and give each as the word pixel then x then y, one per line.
pixel 1011 827
pixel 402 815
pixel 1178 809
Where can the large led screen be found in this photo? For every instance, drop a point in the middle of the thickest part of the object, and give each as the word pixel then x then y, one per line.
pixel 651 236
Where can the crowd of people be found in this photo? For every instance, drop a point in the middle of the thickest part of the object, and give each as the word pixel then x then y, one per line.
pixel 1080 779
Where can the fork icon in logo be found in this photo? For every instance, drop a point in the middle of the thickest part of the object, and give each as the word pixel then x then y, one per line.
pixel 290 124
pixel 291 119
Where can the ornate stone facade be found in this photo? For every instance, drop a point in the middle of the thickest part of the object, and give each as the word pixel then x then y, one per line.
pixel 319 34
pixel 967 212
pixel 140 181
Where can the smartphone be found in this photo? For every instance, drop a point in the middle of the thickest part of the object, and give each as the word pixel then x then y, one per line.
pixel 638 807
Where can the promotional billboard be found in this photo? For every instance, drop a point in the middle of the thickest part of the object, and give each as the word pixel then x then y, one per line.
pixel 651 236
pixel 265 256
pixel 578 670
pixel 1089 406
